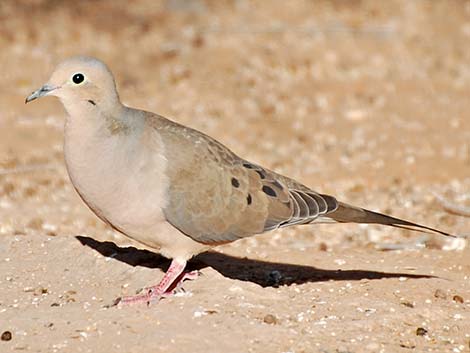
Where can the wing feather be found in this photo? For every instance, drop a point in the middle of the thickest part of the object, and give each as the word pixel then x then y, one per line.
pixel 216 197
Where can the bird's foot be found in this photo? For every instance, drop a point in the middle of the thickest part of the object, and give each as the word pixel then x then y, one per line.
pixel 168 286
pixel 176 286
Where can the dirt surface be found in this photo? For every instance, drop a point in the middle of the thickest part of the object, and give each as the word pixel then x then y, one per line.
pixel 365 100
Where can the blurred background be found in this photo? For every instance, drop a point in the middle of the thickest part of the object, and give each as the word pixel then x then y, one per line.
pixel 366 100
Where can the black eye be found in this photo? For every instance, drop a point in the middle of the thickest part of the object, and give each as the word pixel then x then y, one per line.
pixel 78 78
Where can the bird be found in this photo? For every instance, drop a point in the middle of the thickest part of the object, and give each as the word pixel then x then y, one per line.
pixel 171 188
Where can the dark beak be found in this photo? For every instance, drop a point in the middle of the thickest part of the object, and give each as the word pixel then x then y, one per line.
pixel 43 91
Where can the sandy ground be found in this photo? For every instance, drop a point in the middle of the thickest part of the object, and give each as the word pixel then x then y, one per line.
pixel 366 100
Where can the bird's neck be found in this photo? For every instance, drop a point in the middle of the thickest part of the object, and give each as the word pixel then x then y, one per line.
pixel 91 130
pixel 97 118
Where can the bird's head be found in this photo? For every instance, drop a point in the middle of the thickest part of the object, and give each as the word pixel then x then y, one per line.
pixel 80 81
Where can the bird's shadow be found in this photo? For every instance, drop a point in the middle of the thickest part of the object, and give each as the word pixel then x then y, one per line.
pixel 265 274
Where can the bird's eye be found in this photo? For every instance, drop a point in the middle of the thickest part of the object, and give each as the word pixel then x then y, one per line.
pixel 78 78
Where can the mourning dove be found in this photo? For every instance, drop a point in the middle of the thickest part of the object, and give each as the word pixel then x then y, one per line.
pixel 171 188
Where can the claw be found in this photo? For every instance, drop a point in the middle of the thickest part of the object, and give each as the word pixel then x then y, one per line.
pixel 170 284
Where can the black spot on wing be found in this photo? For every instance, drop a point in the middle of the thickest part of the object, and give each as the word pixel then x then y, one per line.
pixel 248 199
pixel 261 173
pixel 269 191
pixel 235 183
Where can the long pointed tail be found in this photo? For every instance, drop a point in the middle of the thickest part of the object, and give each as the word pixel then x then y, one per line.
pixel 350 214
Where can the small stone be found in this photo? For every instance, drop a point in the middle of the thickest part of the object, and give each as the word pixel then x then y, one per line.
pixel 6 336
pixel 40 291
pixel 439 293
pixel 407 304
pixel 458 299
pixel 270 319
pixel 421 331
pixel 274 278
pixel 355 115
pixel 211 311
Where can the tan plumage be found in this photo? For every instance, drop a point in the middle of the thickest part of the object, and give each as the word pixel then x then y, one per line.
pixel 171 188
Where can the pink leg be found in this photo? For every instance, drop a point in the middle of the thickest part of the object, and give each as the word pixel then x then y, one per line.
pixel 169 281
pixel 178 283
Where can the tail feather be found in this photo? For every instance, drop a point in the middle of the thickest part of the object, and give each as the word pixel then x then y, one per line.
pixel 350 214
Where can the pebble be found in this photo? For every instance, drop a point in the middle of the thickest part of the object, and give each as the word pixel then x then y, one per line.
pixel 270 319
pixel 420 331
pixel 407 304
pixel 274 278
pixel 6 336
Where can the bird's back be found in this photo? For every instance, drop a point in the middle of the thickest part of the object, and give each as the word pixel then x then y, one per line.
pixel 216 197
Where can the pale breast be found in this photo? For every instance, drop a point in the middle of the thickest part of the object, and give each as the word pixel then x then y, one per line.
pixel 121 177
